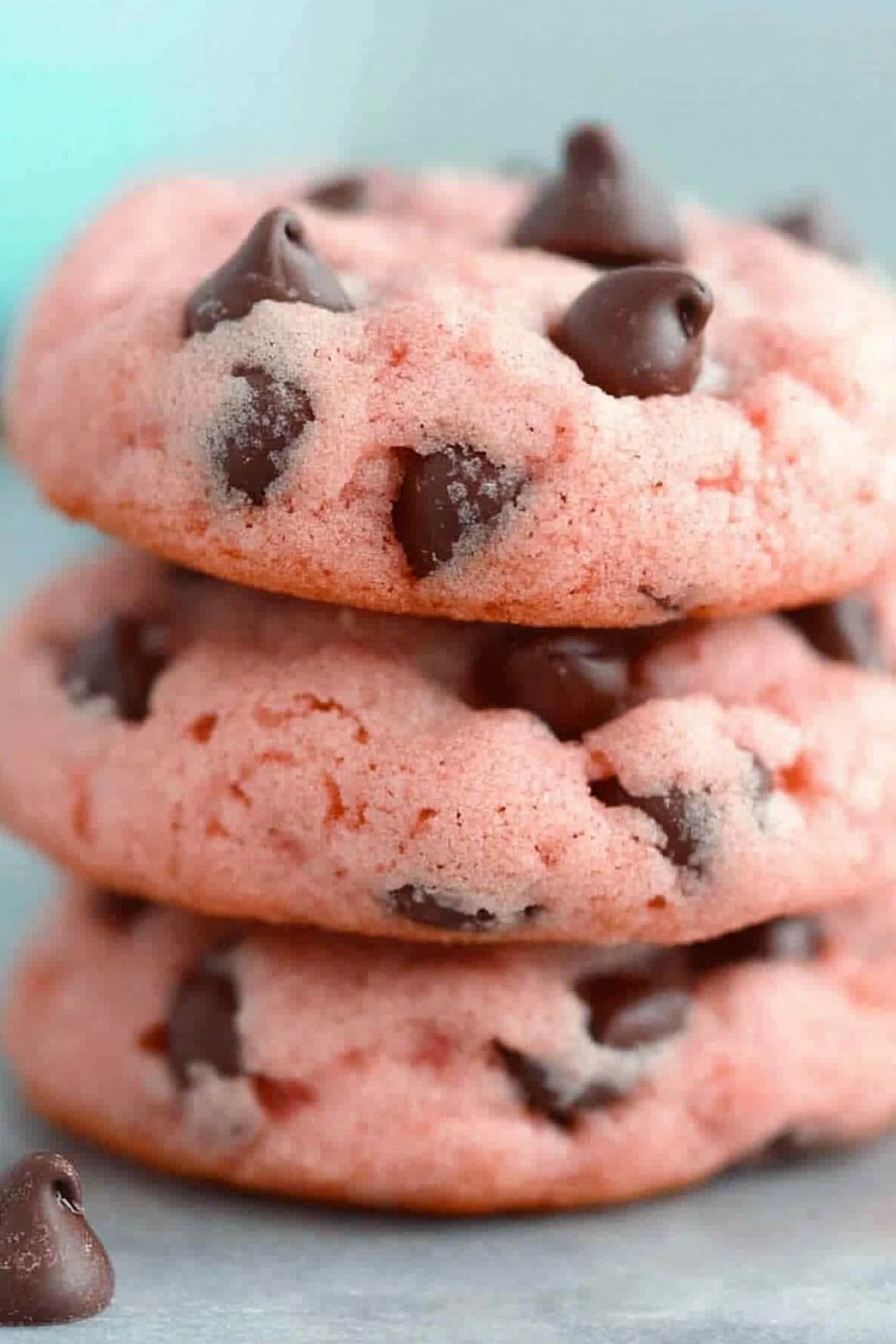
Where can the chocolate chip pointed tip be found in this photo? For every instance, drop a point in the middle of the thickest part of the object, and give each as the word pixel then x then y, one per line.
pixel 53 1266
pixel 274 262
pixel 817 223
pixel 639 332
pixel 601 209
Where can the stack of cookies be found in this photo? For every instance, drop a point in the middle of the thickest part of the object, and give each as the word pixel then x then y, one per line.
pixel 479 789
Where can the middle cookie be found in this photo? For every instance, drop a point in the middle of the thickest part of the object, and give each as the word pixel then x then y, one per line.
pixel 268 758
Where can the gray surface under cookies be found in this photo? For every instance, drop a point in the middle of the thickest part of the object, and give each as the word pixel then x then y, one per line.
pixel 806 1255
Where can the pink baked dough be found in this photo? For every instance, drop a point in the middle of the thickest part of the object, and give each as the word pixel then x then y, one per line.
pixel 300 762
pixel 387 1090
pixel 774 483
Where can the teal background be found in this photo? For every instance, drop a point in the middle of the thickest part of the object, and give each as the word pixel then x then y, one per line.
pixel 742 102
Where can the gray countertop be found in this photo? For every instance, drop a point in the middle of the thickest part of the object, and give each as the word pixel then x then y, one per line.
pixel 806 1256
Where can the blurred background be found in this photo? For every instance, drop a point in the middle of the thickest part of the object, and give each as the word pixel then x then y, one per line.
pixel 743 102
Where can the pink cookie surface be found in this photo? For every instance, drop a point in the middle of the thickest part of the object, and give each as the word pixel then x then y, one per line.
pixel 455 1080
pixel 771 484
pixel 264 757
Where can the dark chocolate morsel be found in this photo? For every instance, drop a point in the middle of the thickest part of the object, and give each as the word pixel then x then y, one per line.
pixel 601 209
pixel 846 631
pixel 117 909
pixel 445 498
pixel 638 332
pixel 274 262
pixel 348 193
pixel 573 680
pixel 790 938
pixel 119 662
pixel 549 1092
pixel 448 911
pixel 253 449
pixel 638 1007
pixel 816 223
pixel 684 818
pixel 202 1030
pixel 53 1266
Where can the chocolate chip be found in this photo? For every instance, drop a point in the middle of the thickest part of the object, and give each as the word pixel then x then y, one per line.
pixel 574 680
pixel 447 498
pixel 549 1091
pixel 790 938
pixel 452 913
pixel 638 332
pixel 253 449
pixel 53 1266
pixel 797 1145
pixel 274 262
pixel 846 631
pixel 118 910
pixel 686 819
pixel 601 209
pixel 816 223
pixel 202 1030
pixel 119 662
pixel 640 1007
pixel 349 193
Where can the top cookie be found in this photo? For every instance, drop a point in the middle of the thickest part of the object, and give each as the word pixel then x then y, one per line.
pixel 387 408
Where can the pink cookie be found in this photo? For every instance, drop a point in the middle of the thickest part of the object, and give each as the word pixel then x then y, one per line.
pixel 372 409
pixel 453 1080
pixel 263 757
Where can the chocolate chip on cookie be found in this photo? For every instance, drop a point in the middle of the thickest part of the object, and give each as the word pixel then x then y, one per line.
pixel 816 223
pixel 446 498
pixel 253 447
pixel 601 208
pixel 574 680
pixel 117 910
pixel 120 662
pixel 846 631
pixel 685 819
pixel 349 193
pixel 639 332
pixel 452 913
pixel 274 262
pixel 201 1027
pixel 790 938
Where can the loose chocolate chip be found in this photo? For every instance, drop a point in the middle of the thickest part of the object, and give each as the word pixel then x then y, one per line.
pixel 118 910
pixel 601 209
pixel 684 818
pixel 349 193
pixel 253 449
pixel 53 1266
pixel 816 223
pixel 119 662
pixel 202 1028
pixel 274 262
pixel 638 332
pixel 790 938
pixel 846 631
pixel 573 680
pixel 445 498
pixel 450 912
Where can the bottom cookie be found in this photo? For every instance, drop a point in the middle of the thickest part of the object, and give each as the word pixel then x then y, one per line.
pixel 455 1080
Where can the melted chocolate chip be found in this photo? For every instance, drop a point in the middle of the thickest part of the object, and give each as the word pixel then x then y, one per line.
pixel 573 680
pixel 117 910
pixel 846 631
pixel 274 262
pixel 549 1092
pixel 119 662
pixel 53 1266
pixel 446 497
pixel 634 1008
pixel 684 818
pixel 348 193
pixel 202 1028
pixel 254 449
pixel 449 912
pixel 816 223
pixel 601 209
pixel 790 938
pixel 638 332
